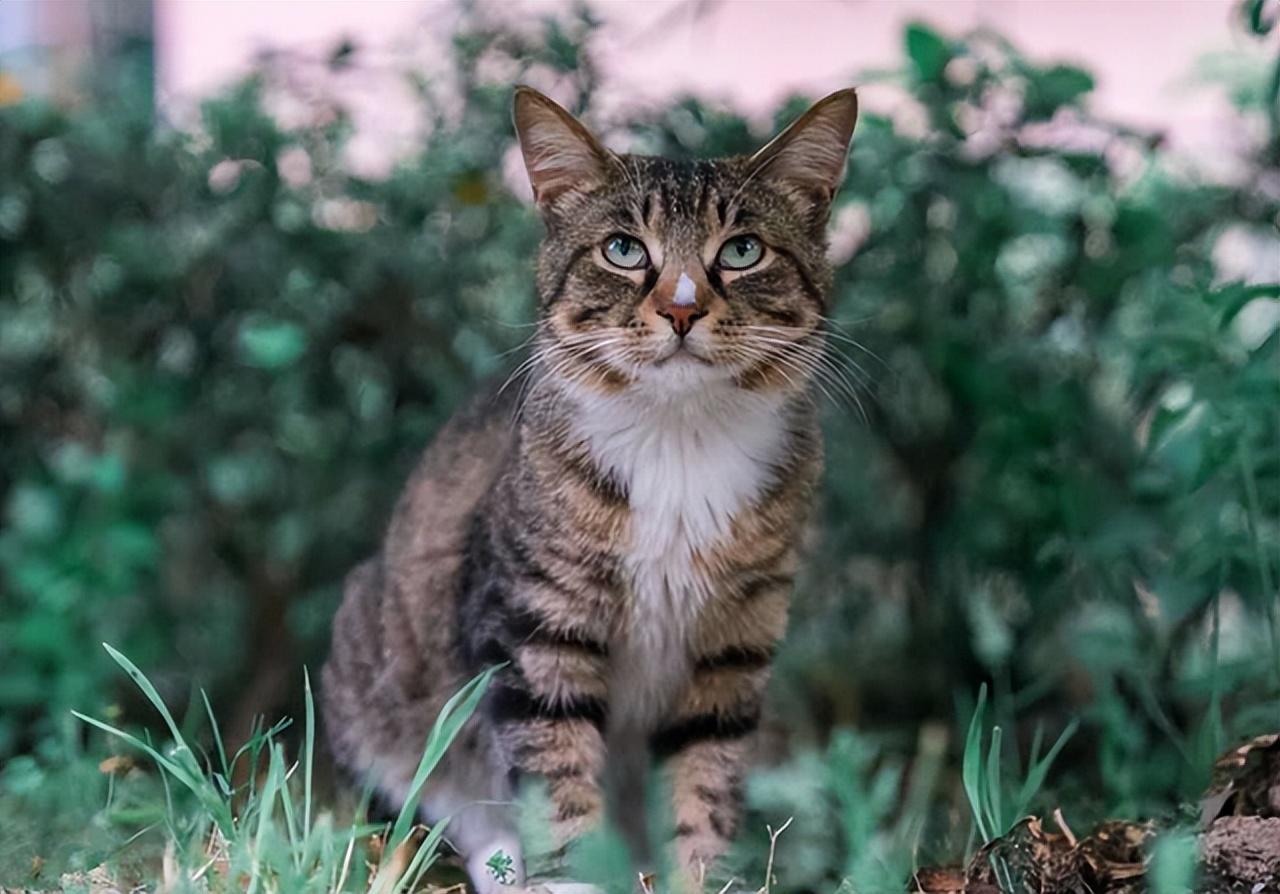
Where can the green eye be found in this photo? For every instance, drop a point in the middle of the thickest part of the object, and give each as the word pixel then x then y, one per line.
pixel 625 252
pixel 741 252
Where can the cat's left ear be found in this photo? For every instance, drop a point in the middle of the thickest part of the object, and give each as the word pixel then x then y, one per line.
pixel 559 153
pixel 811 154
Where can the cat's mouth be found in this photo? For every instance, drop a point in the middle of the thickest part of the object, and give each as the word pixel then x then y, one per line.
pixel 681 352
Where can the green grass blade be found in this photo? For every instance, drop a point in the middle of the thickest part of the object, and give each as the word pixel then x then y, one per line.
pixel 1212 734
pixel 384 882
pixel 456 712
pixel 1037 742
pixel 425 856
pixel 197 784
pixel 170 817
pixel 1039 770
pixel 266 811
pixel 217 736
pixel 252 748
pixel 183 765
pixel 308 754
pixel 168 765
pixel 971 771
pixel 996 820
pixel 290 817
pixel 153 696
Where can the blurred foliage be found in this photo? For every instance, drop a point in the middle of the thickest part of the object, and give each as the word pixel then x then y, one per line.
pixel 213 377
pixel 221 351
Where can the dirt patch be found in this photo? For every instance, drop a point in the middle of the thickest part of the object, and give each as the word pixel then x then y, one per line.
pixel 1238 843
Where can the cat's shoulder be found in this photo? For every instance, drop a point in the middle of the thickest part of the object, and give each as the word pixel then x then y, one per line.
pixel 456 470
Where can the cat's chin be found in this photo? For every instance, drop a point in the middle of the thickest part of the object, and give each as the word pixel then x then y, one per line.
pixel 681 354
pixel 683 373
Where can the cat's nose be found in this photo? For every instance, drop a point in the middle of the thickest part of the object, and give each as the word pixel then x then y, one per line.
pixel 681 308
pixel 681 318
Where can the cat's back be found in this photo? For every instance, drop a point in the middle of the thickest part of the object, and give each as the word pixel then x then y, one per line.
pixel 434 512
pixel 392 654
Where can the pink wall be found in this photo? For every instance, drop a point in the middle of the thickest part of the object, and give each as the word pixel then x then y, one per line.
pixel 753 51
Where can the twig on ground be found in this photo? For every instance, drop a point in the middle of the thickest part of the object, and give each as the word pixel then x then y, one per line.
pixel 773 845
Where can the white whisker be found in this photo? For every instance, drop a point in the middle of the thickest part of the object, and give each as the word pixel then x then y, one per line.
pixel 816 365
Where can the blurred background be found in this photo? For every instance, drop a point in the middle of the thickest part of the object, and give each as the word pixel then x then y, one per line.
pixel 251 257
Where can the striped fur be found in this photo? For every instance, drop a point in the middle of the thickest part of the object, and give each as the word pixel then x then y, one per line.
pixel 620 530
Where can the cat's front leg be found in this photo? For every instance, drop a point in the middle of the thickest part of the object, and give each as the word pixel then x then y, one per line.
pixel 708 742
pixel 706 751
pixel 549 709
pixel 706 783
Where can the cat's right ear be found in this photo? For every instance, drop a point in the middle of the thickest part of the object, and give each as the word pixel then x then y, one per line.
pixel 559 153
pixel 811 154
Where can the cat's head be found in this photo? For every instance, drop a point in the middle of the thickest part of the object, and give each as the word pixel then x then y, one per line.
pixel 665 275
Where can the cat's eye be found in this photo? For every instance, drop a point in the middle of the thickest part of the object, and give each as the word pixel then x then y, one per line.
pixel 740 252
pixel 625 251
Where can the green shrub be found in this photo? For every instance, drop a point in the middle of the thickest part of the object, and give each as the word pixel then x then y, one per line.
pixel 1058 469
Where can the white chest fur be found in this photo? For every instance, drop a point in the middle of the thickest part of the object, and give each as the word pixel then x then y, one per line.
pixel 689 467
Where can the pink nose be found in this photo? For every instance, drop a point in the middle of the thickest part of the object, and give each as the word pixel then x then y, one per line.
pixel 681 316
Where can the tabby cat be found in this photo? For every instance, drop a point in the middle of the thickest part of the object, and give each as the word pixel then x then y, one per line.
pixel 621 529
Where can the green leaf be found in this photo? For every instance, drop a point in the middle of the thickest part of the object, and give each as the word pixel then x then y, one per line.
pixel 35 511
pixel 928 51
pixel 1235 297
pixel 1256 17
pixel 271 344
pixel 1181 449
pixel 1049 90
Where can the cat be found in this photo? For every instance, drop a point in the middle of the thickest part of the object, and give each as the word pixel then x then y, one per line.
pixel 621 530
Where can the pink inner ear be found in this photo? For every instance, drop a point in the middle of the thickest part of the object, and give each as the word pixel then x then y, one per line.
pixel 814 150
pixel 816 155
pixel 559 153
pixel 557 162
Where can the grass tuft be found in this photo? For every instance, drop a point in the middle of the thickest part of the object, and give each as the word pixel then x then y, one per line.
pixel 996 804
pixel 265 836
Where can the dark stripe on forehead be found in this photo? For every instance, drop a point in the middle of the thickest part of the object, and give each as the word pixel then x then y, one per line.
pixel 732 216
pixel 624 218
pixel 668 196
